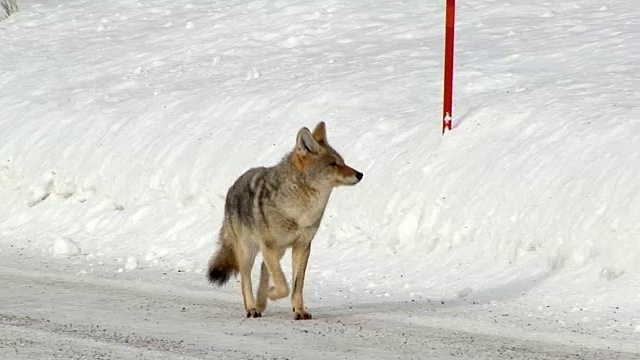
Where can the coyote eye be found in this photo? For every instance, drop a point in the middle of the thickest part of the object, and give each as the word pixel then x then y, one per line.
pixel 333 163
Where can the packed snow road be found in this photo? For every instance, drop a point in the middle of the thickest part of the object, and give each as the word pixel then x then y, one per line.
pixel 50 310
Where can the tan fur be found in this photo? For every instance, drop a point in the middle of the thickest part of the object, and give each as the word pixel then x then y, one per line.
pixel 223 264
pixel 269 210
pixel 301 163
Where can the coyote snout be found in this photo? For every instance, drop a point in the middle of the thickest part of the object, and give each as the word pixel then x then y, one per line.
pixel 269 210
pixel 351 177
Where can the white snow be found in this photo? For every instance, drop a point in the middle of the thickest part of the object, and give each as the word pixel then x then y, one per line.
pixel 65 247
pixel 132 264
pixel 124 123
pixel 186 265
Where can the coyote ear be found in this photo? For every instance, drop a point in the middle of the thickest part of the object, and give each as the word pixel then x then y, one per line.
pixel 305 143
pixel 320 133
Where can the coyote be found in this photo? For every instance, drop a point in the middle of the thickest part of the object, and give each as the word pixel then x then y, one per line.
pixel 275 208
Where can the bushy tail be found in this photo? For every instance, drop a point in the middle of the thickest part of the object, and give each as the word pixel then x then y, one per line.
pixel 223 264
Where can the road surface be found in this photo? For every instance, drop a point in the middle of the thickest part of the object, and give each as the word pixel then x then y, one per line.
pixel 51 310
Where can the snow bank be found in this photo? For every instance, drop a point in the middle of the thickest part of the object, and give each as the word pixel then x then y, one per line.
pixel 124 123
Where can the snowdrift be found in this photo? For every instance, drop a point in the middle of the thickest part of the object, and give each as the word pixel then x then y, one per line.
pixel 124 123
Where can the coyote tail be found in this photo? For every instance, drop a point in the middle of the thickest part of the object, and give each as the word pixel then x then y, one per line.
pixel 223 264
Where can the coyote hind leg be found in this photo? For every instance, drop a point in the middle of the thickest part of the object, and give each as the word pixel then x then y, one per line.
pixel 246 257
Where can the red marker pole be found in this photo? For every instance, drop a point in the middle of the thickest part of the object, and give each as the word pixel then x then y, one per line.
pixel 448 65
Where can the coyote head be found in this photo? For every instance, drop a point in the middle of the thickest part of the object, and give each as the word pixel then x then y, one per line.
pixel 321 164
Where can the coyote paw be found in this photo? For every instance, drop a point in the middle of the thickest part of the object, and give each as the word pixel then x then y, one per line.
pixel 301 315
pixel 277 293
pixel 253 313
pixel 261 307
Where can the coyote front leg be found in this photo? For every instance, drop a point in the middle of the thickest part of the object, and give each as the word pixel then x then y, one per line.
pixel 263 285
pixel 300 255
pixel 271 256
